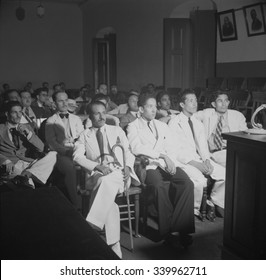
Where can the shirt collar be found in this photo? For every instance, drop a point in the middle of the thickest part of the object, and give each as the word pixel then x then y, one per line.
pixel 10 125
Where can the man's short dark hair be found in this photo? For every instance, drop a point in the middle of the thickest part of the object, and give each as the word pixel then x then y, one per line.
pixel 22 91
pixel 39 90
pixel 219 92
pixel 160 94
pixel 144 97
pixel 7 93
pixel 100 96
pixel 93 103
pixel 55 94
pixel 9 105
pixel 184 94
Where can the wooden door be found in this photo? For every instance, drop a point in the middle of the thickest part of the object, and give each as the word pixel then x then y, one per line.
pixel 177 53
pixel 104 60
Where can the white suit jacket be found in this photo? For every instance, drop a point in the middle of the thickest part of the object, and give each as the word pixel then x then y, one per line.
pixel 186 148
pixel 87 152
pixel 209 118
pixel 55 133
pixel 143 142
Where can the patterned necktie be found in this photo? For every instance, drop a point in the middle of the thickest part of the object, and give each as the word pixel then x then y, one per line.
pixel 27 111
pixel 218 140
pixel 15 137
pixel 99 137
pixel 191 126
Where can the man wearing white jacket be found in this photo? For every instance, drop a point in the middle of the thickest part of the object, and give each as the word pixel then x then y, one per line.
pixel 231 121
pixel 192 150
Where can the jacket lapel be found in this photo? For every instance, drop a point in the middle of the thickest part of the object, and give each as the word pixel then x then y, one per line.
pixel 92 143
pixel 72 126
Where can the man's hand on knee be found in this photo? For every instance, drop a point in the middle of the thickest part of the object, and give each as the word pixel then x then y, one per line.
pixel 105 170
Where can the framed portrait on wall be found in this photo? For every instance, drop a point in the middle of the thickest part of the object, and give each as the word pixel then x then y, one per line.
pixel 255 19
pixel 227 25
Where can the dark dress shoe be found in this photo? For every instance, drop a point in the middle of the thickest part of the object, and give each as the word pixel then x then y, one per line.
pixel 211 213
pixel 22 181
pixel 171 240
pixel 200 216
pixel 185 240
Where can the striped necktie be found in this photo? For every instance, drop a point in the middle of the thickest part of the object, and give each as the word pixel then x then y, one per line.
pixel 218 140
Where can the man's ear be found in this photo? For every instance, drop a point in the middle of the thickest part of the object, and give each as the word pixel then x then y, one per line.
pixel 159 105
pixel 182 105
pixel 6 114
pixel 141 109
pixel 213 104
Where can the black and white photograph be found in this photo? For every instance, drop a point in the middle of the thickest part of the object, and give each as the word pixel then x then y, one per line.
pixel 227 25
pixel 255 19
pixel 132 130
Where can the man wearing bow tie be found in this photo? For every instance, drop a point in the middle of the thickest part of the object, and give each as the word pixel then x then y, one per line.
pixel 61 131
pixel 104 177
pixel 18 147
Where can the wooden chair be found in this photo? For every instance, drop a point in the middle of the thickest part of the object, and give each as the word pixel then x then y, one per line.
pixel 128 212
pixel 256 83
pixel 239 100
pixel 204 99
pixel 215 83
pixel 236 83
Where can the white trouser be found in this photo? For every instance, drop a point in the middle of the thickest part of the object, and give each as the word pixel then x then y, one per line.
pixel 104 211
pixel 41 169
pixel 218 190
pixel 199 181
pixel 219 157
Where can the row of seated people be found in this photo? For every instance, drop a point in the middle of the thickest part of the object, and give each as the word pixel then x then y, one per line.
pixel 185 152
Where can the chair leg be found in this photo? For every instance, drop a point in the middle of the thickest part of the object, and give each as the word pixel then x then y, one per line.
pixel 136 205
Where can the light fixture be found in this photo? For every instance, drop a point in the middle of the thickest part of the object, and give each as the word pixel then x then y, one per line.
pixel 40 10
pixel 20 12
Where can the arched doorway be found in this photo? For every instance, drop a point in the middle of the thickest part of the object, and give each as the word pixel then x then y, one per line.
pixel 104 57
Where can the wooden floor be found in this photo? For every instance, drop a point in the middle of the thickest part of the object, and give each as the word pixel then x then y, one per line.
pixel 206 246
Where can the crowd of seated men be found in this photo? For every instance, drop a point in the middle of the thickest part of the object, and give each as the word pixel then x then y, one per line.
pixel 185 148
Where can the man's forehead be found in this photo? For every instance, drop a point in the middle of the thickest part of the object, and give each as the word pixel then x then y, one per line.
pixel 221 97
pixel 15 108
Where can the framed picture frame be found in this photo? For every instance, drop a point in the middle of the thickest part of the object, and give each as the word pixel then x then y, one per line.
pixel 255 19
pixel 227 25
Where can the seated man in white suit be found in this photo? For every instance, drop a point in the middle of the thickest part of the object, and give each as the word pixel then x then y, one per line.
pixel 171 188
pixel 192 150
pixel 61 131
pixel 93 152
pixel 217 120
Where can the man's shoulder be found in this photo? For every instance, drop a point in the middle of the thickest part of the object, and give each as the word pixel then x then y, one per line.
pixel 234 113
pixel 3 126
pixel 52 118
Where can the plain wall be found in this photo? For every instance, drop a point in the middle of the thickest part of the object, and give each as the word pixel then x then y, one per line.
pixel 41 49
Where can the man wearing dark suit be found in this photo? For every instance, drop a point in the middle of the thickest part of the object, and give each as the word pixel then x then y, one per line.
pixel 132 112
pixel 61 131
pixel 171 188
pixel 18 147
pixel 39 107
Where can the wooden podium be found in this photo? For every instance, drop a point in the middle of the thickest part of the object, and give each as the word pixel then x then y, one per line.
pixel 245 197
